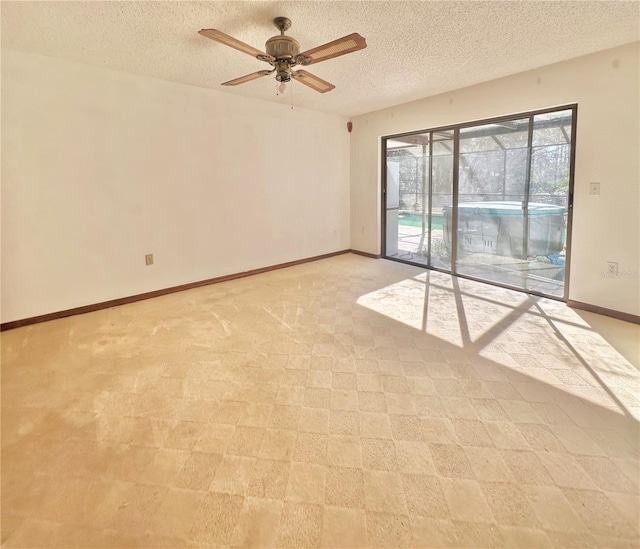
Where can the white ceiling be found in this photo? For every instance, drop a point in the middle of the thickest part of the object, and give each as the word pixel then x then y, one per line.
pixel 415 48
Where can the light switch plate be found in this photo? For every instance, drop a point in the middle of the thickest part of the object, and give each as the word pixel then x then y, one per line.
pixel 594 188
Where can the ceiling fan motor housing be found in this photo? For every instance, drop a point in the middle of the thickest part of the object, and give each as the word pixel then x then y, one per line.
pixel 282 47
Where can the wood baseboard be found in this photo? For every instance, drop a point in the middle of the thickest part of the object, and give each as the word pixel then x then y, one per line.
pixel 635 319
pixel 627 317
pixel 157 293
pixel 365 254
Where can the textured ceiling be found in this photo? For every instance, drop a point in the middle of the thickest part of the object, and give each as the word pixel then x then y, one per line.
pixel 415 49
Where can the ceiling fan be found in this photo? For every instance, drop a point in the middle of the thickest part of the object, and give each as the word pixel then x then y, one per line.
pixel 283 53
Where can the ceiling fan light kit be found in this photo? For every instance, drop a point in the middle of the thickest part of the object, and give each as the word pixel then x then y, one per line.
pixel 283 54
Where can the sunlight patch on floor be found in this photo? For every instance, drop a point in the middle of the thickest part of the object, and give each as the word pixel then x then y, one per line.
pixel 540 338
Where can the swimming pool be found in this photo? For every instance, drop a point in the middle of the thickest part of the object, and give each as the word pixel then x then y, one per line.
pixel 415 220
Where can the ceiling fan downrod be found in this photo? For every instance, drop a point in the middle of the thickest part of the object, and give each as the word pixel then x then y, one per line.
pixel 282 24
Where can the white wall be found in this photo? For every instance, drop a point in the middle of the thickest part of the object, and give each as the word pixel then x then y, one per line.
pixel 101 167
pixel 606 227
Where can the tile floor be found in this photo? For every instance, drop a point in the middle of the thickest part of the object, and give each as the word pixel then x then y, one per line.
pixel 347 402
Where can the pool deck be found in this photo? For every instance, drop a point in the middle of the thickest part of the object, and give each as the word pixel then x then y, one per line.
pixel 537 277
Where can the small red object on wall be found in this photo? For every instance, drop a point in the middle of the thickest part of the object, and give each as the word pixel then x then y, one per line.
pixel 349 126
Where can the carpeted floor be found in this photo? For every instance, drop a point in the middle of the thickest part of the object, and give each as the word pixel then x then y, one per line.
pixel 343 403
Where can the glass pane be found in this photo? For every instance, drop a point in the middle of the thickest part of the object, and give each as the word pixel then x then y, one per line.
pixel 408 197
pixel 441 200
pixel 548 202
pixel 553 128
pixel 491 198
pixel 392 198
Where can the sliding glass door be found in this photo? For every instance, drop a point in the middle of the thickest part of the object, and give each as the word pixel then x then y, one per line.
pixel 441 198
pixel 488 200
pixel 492 202
pixel 407 198
pixel 550 201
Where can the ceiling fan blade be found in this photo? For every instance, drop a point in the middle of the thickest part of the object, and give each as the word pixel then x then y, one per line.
pixel 341 46
pixel 246 78
pixel 232 42
pixel 312 81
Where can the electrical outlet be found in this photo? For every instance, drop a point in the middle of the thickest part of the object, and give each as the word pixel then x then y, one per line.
pixel 612 268
pixel 594 188
pixel 148 259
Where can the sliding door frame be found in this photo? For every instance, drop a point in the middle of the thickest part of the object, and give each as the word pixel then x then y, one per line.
pixel 383 201
pixel 430 194
pixel 455 128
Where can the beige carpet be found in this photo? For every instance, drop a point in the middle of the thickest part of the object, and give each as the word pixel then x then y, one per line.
pixel 343 403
